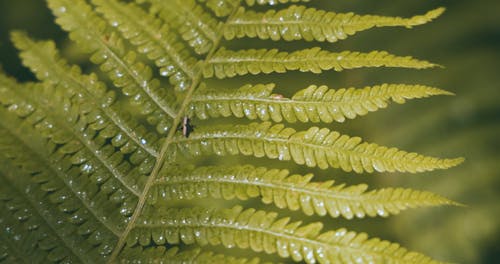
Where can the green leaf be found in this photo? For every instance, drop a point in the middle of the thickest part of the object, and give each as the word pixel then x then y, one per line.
pixel 272 2
pixel 152 37
pixel 310 24
pixel 32 234
pixel 44 60
pixel 197 27
pixel 312 104
pixel 90 164
pixel 287 191
pixel 264 232
pixel 228 63
pixel 55 210
pixel 314 148
pixel 221 8
pixel 109 51
pixel 74 147
pixel 174 255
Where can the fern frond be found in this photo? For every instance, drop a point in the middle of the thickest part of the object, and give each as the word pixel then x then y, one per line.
pixel 314 148
pixel 153 37
pixel 194 25
pixel 175 256
pixel 108 50
pixel 227 63
pixel 310 24
pixel 295 192
pixel 264 232
pixel 313 104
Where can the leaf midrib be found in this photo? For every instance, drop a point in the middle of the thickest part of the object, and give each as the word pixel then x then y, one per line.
pixel 112 115
pixel 162 44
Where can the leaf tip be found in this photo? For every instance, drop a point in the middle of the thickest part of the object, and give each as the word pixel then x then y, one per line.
pixel 455 162
pixel 17 37
pixel 435 13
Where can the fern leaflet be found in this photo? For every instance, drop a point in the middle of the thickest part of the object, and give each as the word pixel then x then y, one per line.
pixel 92 164
pixel 228 63
pixel 312 104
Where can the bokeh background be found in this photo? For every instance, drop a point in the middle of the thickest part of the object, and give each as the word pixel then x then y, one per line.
pixel 466 40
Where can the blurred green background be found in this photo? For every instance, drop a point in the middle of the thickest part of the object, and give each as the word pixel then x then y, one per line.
pixel 466 40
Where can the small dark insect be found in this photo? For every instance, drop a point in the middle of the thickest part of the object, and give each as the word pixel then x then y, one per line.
pixel 186 127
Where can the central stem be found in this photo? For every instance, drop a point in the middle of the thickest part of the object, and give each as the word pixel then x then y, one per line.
pixel 168 140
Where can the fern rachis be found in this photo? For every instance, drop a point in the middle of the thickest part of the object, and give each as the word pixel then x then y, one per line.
pixel 115 171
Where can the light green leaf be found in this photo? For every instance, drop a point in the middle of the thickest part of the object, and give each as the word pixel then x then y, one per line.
pixel 227 63
pixel 152 37
pixel 264 232
pixel 192 23
pixel 312 104
pixel 272 2
pixel 109 51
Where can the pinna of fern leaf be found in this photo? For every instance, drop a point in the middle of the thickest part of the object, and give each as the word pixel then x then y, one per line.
pixel 312 104
pixel 314 147
pixel 294 192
